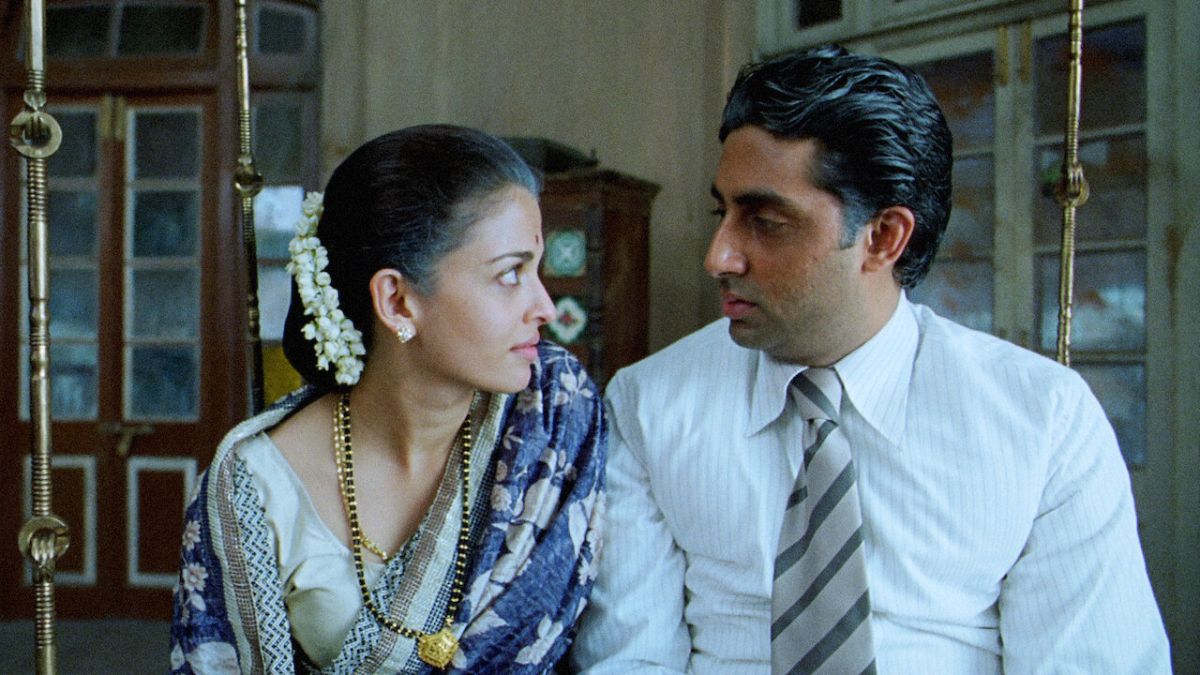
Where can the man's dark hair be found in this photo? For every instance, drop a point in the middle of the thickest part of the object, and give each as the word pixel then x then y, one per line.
pixel 881 138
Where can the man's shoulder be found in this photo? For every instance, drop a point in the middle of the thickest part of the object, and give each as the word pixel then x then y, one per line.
pixel 954 348
pixel 694 359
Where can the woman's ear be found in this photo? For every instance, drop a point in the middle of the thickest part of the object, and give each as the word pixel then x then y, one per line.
pixel 886 237
pixel 394 300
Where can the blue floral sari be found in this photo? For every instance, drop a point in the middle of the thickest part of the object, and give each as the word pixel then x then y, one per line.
pixel 536 530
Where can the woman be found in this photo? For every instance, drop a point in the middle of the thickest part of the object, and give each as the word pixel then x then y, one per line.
pixel 442 464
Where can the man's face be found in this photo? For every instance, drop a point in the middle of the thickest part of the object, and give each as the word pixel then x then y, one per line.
pixel 787 286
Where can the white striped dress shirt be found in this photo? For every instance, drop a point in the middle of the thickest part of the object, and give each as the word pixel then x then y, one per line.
pixel 999 523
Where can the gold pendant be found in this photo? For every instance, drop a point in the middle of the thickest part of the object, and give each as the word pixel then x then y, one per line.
pixel 437 649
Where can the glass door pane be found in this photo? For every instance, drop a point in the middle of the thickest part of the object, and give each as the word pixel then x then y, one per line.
pixel 960 283
pixel 811 13
pixel 284 124
pixel 176 29
pixel 1109 307
pixel 161 262
pixel 1113 83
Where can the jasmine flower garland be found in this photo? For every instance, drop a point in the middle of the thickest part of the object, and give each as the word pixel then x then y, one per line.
pixel 336 340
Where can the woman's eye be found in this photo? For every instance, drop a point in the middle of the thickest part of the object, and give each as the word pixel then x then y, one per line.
pixel 510 277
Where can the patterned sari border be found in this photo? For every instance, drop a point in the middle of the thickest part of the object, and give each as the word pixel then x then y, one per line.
pixel 228 548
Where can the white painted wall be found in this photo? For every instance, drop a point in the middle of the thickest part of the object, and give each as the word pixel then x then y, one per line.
pixel 640 82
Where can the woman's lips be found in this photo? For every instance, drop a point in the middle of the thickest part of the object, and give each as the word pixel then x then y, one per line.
pixel 528 350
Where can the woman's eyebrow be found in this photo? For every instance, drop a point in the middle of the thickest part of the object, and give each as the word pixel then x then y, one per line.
pixel 524 256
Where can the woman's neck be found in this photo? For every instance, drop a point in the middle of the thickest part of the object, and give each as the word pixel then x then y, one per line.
pixel 411 417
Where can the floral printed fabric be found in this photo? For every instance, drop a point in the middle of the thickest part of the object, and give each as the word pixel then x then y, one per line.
pixel 205 640
pixel 531 575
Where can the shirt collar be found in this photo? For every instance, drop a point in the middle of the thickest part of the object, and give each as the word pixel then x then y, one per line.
pixel 875 377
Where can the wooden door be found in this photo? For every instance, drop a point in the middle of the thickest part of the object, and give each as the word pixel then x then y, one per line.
pixel 145 373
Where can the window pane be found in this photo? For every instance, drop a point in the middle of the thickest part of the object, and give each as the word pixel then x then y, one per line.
pixel 281 31
pixel 166 144
pixel 72 223
pixel 1113 84
pixel 274 293
pixel 165 304
pixel 72 303
pixel 165 223
pixel 276 212
pixel 1115 169
pixel 73 382
pixel 1109 306
pixel 162 383
pixel 77 154
pixel 963 86
pixel 961 291
pixel 1121 389
pixel 161 29
pixel 969 233
pixel 811 13
pixel 279 141
pixel 77 31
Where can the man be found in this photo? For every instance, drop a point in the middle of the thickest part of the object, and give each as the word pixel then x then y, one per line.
pixel 983 520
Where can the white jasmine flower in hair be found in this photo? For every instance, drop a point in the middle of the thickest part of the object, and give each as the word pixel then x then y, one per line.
pixel 313 204
pixel 336 341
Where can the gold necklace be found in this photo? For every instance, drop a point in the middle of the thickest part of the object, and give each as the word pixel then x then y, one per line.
pixel 438 648
pixel 340 462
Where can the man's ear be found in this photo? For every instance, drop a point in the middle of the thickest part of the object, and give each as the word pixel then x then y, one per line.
pixel 886 237
pixel 394 300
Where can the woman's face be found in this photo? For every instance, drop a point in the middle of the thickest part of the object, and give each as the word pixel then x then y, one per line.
pixel 480 323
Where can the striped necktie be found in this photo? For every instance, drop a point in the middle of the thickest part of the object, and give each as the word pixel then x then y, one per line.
pixel 820 610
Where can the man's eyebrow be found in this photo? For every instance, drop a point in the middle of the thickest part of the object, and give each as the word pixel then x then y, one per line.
pixel 756 199
pixel 523 256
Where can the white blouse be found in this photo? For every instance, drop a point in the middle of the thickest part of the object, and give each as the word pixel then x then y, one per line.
pixel 320 587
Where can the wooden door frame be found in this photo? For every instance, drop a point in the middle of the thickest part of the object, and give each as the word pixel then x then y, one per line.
pixel 211 73
pixel 222 391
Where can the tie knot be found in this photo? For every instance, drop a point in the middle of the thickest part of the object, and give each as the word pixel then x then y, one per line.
pixel 818 393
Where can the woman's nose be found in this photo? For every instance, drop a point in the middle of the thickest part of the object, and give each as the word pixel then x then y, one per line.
pixel 543 311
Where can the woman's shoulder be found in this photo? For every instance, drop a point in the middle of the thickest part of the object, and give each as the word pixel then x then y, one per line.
pixel 298 430
pixel 289 412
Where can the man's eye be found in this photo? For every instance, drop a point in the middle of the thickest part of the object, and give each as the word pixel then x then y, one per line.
pixel 766 224
pixel 718 212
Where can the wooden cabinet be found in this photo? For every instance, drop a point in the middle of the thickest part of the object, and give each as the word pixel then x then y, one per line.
pixel 596 267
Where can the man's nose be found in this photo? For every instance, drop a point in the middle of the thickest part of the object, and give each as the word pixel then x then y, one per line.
pixel 724 256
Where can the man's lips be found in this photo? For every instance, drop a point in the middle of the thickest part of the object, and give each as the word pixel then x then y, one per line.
pixel 735 307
